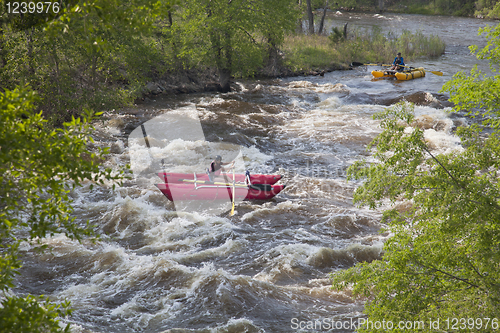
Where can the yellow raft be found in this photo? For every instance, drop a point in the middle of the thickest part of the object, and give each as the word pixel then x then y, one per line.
pixel 413 73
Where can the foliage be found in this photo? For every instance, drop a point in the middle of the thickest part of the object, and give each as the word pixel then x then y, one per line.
pixel 90 55
pixel 311 52
pixel 337 35
pixel 234 36
pixel 100 54
pixel 32 315
pixel 373 46
pixel 38 169
pixel 487 9
pixel 443 258
pixel 477 93
pixel 308 52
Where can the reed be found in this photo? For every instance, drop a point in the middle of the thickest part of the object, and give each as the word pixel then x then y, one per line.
pixel 302 52
pixel 313 52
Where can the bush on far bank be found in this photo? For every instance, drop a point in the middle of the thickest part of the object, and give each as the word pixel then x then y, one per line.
pixel 313 52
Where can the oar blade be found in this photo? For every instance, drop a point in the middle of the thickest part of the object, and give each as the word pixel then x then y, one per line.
pixel 234 189
pixel 356 64
pixel 437 73
pixel 232 210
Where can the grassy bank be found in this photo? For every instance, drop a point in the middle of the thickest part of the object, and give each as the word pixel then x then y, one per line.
pixel 312 53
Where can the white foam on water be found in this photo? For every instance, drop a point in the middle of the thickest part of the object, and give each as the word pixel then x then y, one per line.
pixel 324 292
pixel 210 101
pixel 181 237
pixel 326 88
pixel 154 265
pixel 184 153
pixel 285 260
pixel 348 220
pixel 121 272
pixel 243 89
pixel 332 123
pixel 126 216
pixel 331 103
pixel 237 325
pixel 353 253
pixel 326 184
pixel 441 142
pixel 438 129
pixel 163 134
pixel 282 207
pixel 253 158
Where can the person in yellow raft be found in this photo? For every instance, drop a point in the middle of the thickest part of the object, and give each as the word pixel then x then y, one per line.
pixel 398 63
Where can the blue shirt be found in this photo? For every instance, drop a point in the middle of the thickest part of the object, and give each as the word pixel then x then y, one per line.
pixel 399 61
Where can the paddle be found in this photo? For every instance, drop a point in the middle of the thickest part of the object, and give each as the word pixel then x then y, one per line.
pixel 357 64
pixel 234 188
pixel 258 187
pixel 433 72
pixel 209 182
pixel 163 166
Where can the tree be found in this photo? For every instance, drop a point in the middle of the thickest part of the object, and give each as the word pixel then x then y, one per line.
pixel 232 34
pixel 83 56
pixel 322 22
pixel 442 261
pixel 310 17
pixel 38 168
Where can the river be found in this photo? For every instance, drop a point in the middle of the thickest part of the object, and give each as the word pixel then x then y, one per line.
pixel 265 269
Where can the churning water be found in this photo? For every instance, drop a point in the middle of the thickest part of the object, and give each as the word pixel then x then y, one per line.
pixel 265 269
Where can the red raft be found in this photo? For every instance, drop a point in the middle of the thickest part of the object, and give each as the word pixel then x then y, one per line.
pixel 173 177
pixel 215 191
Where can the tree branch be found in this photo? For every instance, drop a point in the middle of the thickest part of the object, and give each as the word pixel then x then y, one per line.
pixel 446 170
pixel 249 35
pixel 448 274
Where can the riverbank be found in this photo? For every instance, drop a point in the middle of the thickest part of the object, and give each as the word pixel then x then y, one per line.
pixel 193 81
pixel 308 55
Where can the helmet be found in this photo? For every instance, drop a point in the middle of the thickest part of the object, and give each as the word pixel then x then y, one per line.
pixel 218 158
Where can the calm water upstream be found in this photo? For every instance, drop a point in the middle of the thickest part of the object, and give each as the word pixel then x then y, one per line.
pixel 265 269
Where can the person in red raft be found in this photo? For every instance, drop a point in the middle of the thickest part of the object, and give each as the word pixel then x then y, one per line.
pixel 216 167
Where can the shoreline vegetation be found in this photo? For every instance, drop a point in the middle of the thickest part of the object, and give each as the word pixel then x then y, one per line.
pixel 83 59
pixel 311 55
pixel 314 53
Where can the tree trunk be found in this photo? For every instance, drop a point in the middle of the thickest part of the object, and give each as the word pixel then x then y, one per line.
pixel 173 42
pixel 224 80
pixel 3 62
pixel 29 46
pixel 170 22
pixel 95 58
pixel 226 64
pixel 380 6
pixel 299 23
pixel 322 22
pixel 222 51
pixel 311 17
pixel 55 57
pixel 273 61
